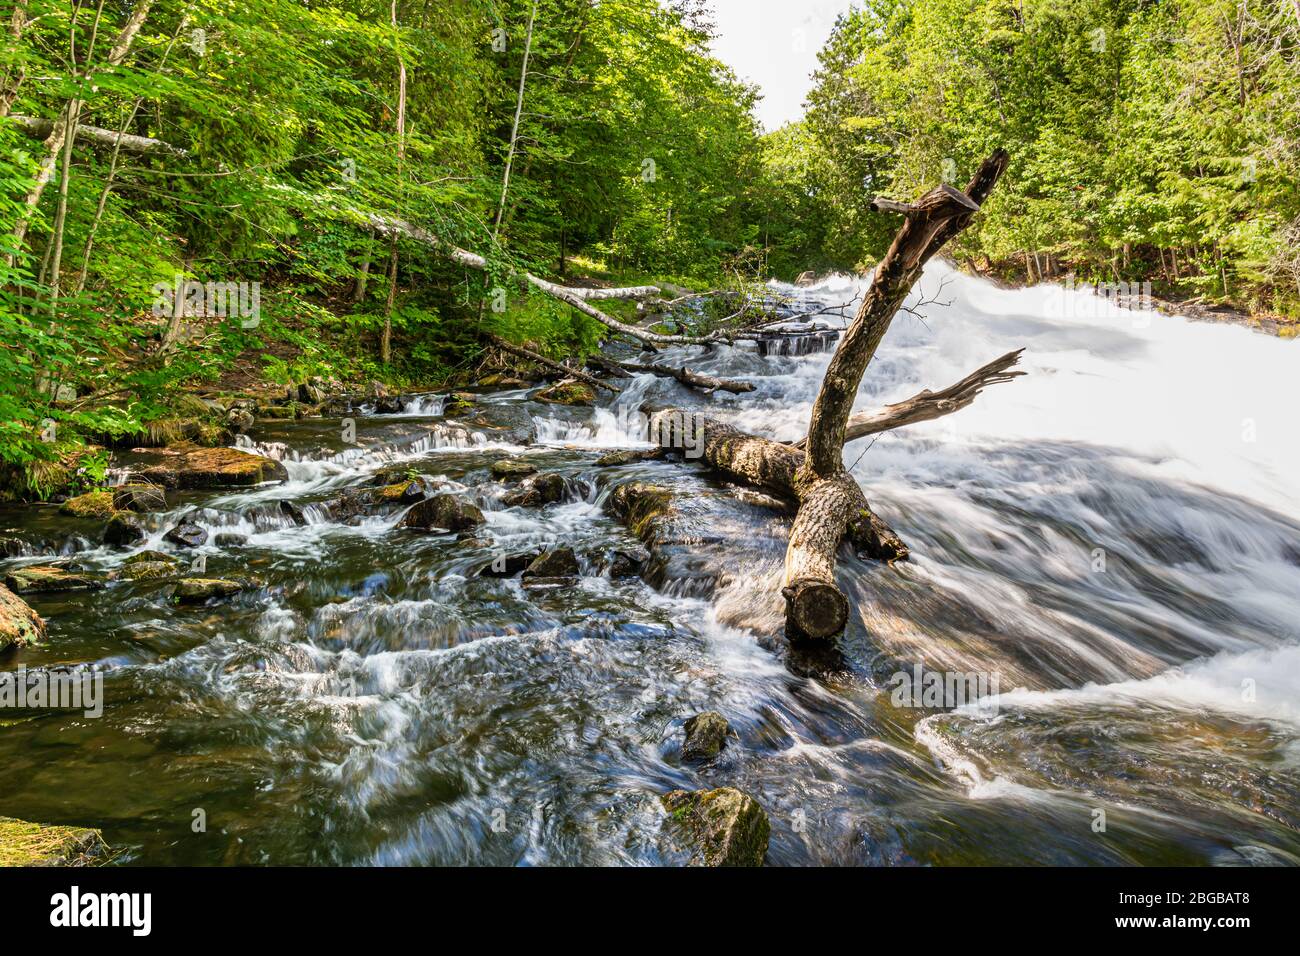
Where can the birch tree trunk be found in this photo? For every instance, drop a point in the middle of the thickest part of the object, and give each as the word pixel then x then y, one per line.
pixel 66 122
pixel 514 130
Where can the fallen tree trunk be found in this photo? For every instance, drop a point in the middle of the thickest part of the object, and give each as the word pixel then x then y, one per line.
pixel 831 505
pixel 706 383
pixel 554 366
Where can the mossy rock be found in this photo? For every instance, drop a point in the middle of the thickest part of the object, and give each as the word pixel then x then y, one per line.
pixel 148 571
pixel 459 403
pixel 94 504
pixel 123 530
pixel 567 393
pixel 149 557
pixel 507 468
pixel 558 563
pixel 20 626
pixel 443 513
pixel 187 466
pixel 35 844
pixel 502 380
pixel 279 412
pixel 625 456
pixel 201 590
pixel 43 579
pixel 706 735
pixel 638 503
pixel 722 827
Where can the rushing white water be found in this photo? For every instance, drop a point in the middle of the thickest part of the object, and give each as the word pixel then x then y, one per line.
pixel 1129 426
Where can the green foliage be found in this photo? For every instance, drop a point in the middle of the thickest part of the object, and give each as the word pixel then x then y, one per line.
pixel 1142 133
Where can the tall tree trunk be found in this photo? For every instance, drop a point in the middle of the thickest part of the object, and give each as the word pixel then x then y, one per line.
pixel 12 84
pixel 514 129
pixel 66 124
pixel 386 341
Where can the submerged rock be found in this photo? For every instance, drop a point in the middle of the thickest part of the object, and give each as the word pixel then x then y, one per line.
pixel 443 513
pixel 94 504
pixel 706 735
pixel 35 844
pixel 508 565
pixel 199 590
pixel 558 563
pixel 19 624
pixel 145 557
pixel 186 466
pixel 292 512
pixel 187 535
pixel 723 827
pixel 567 393
pixel 537 491
pixel 42 579
pixel 140 498
pixel 507 468
pixel 228 539
pixel 123 530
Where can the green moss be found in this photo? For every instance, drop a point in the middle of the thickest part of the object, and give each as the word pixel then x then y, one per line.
pixel 95 504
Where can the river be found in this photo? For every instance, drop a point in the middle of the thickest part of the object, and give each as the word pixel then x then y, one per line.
pixel 1110 543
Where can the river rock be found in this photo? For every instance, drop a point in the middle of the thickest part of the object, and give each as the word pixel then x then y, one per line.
pixel 187 466
pixel 140 498
pixel 143 557
pixel 186 535
pixel 706 735
pixel 507 468
pixel 17 548
pixel 502 380
pixel 94 504
pixel 228 539
pixel 443 513
pixel 292 512
pixel 567 393
pixel 19 624
pixel 625 456
pixel 723 827
pixel 199 590
pixel 35 844
pixel 628 562
pixel 459 403
pixel 557 563
pixel 123 530
pixel 537 491
pixel 508 565
pixel 147 570
pixel 681 532
pixel 240 419
pixel 43 579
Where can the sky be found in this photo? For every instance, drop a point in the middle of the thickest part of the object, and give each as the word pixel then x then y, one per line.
pixel 774 43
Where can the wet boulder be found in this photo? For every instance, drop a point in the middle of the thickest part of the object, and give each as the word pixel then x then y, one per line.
pixel 147 570
pixel 443 513
pixel 36 844
pixel 202 590
pixel 140 498
pixel 187 534
pixel 228 539
pixel 557 563
pixel 506 469
pixel 240 419
pixel 94 504
pixel 459 403
pixel 292 512
pixel 16 548
pixel 502 380
pixel 567 393
pixel 123 530
pixel 537 491
pixel 706 735
pixel 186 466
pixel 382 500
pixel 141 557
pixel 508 565
pixel 19 624
pixel 627 562
pixel 686 534
pixel 43 579
pixel 626 456
pixel 722 827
